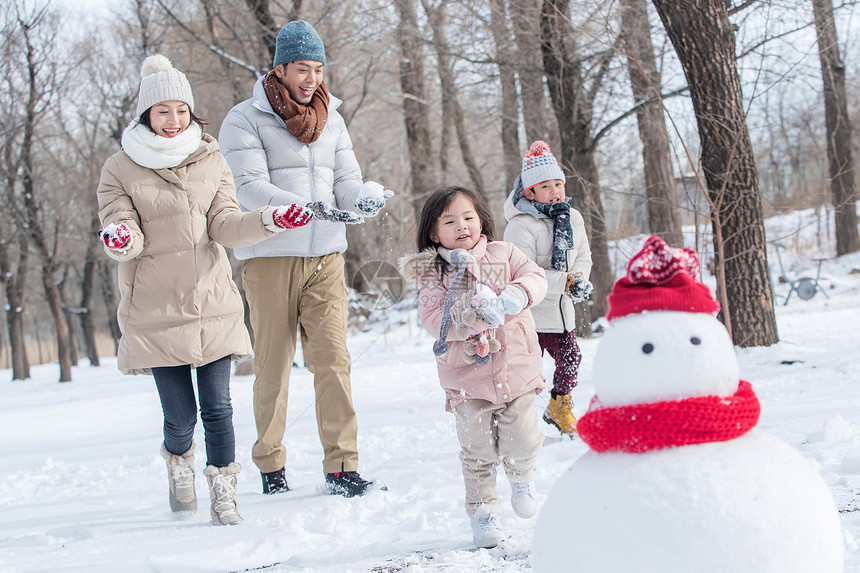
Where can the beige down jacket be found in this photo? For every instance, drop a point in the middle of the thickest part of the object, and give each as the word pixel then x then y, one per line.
pixel 533 235
pixel 179 304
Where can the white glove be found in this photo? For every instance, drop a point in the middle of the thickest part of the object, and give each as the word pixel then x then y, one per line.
pixel 371 199
pixel 488 308
pixel 514 299
pixel 492 308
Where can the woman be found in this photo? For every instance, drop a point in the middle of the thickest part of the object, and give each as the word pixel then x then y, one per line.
pixel 167 205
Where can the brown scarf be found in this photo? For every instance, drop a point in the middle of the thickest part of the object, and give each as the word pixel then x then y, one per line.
pixel 306 122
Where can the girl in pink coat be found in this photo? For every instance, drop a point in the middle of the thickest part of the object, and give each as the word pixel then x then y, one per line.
pixel 474 295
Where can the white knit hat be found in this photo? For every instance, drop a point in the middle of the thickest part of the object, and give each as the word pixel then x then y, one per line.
pixel 539 165
pixel 160 81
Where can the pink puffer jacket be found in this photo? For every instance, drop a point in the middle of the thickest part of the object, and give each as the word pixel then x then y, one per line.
pixel 517 368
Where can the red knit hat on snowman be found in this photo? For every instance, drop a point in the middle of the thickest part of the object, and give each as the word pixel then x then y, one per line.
pixel 663 278
pixel 660 277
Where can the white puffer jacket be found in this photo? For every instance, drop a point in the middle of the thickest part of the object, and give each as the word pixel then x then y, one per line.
pixel 271 167
pixel 533 236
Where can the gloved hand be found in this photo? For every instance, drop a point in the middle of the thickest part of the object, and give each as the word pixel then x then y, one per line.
pixel 291 216
pixel 578 288
pixel 325 212
pixel 514 299
pixel 488 308
pixel 116 237
pixel 371 199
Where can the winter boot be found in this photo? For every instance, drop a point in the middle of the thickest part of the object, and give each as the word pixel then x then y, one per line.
pixel 349 484
pixel 180 480
pixel 486 527
pixel 275 482
pixel 559 414
pixel 222 494
pixel 524 499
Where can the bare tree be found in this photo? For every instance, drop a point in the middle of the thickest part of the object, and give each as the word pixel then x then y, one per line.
pixel 525 17
pixel 450 101
pixel 660 188
pixel 702 36
pixel 838 129
pixel 505 59
pixel 573 105
pixel 415 112
pixel 14 250
pixel 42 228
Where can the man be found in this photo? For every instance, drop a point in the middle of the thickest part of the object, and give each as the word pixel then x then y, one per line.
pixel 288 144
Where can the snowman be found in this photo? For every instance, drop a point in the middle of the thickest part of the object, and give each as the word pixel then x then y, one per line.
pixel 678 479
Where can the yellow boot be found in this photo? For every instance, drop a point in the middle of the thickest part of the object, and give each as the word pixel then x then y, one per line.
pixel 559 413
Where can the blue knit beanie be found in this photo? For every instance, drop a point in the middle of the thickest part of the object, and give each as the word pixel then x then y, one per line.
pixel 298 40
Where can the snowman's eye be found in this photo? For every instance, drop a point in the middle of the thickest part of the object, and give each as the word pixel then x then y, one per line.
pixel 695 341
pixel 647 348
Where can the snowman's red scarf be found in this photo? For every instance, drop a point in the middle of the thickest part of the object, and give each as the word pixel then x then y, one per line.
pixel 645 427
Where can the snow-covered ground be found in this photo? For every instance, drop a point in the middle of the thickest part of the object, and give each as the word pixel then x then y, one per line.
pixel 84 486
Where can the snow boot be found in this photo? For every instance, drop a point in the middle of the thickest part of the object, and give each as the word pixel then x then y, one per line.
pixel 524 499
pixel 275 482
pixel 222 494
pixel 559 413
pixel 180 480
pixel 487 530
pixel 348 484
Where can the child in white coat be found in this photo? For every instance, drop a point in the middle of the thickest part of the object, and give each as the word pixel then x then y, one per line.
pixel 551 233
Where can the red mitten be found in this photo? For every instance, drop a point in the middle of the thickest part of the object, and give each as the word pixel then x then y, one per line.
pixel 291 216
pixel 116 237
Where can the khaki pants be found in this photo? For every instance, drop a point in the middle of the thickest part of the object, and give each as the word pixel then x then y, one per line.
pixel 492 433
pixel 286 294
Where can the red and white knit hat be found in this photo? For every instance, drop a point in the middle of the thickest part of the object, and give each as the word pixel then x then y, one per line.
pixel 660 277
pixel 539 165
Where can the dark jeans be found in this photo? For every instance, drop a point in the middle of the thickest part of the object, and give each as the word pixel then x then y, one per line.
pixel 176 391
pixel 565 351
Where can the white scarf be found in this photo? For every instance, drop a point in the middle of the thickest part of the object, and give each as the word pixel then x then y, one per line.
pixel 155 152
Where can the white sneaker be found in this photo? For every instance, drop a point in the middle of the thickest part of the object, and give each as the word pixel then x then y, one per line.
pixel 524 499
pixel 486 528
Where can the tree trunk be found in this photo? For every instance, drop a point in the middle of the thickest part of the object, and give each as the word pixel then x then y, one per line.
pixel 415 112
pixel 838 130
pixel 15 283
pixel 660 188
pixel 52 295
pixel 704 41
pixel 450 100
pixel 573 109
pixel 525 15
pixel 86 317
pixel 108 295
pixel 68 312
pixel 268 30
pixel 510 117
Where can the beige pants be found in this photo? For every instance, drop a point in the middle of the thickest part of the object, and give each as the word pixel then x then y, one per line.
pixel 492 433
pixel 308 294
